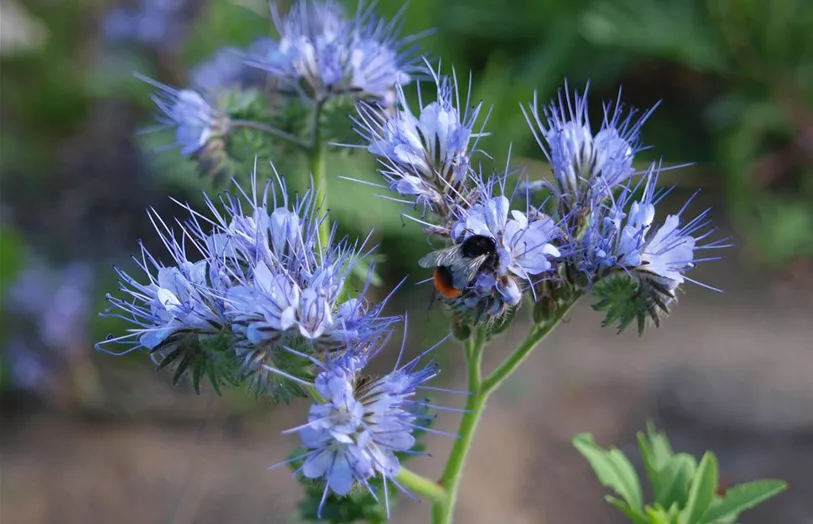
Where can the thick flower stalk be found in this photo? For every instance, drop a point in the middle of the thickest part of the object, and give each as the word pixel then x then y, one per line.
pixel 323 52
pixel 262 283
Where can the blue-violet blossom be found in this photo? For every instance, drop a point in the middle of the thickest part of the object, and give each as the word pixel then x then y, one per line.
pixel 263 282
pixel 425 157
pixel 321 52
pixel 194 116
pixel 359 423
pixel 623 236
pixel 525 249
pixel 586 165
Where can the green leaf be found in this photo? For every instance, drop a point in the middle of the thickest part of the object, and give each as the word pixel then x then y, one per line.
pixel 702 490
pixel 674 481
pixel 613 470
pixel 658 515
pixel 628 512
pixel 741 497
pixel 655 452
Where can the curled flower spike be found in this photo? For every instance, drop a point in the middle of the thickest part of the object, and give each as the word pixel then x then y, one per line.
pixel 623 236
pixel 263 282
pixel 425 157
pixel 585 165
pixel 321 52
pixel 359 422
pixel 195 119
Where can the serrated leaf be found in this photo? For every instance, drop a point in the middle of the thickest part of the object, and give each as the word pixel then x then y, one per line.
pixel 702 490
pixel 613 470
pixel 742 497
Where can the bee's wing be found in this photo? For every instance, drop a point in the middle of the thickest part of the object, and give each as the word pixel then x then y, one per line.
pixel 441 257
pixel 465 269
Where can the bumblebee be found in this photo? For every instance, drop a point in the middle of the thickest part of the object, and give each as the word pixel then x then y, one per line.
pixel 457 266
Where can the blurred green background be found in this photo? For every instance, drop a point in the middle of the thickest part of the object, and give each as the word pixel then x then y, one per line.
pixel 735 78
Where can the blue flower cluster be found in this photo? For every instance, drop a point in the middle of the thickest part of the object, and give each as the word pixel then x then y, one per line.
pixel 425 157
pixel 254 289
pixel 586 167
pixel 262 283
pixel 597 227
pixel 359 424
pixel 264 291
pixel 322 52
pixel 611 230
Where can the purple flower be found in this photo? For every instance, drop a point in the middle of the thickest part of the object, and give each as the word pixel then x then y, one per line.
pixel 359 423
pixel 586 166
pixel 424 156
pixel 195 119
pixel 177 304
pixel 321 52
pixel 286 287
pixel 263 283
pixel 623 236
pixel 524 248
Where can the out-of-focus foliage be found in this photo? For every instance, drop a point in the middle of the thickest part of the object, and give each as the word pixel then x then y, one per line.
pixel 684 491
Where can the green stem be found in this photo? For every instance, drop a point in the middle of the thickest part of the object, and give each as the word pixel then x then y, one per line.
pixel 479 391
pixel 443 509
pixel 318 156
pixel 420 485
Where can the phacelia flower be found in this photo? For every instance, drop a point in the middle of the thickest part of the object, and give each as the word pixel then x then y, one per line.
pixel 525 250
pixel 263 282
pixel 321 52
pixel 623 236
pixel 359 424
pixel 425 157
pixel 178 304
pixel 195 118
pixel 585 165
